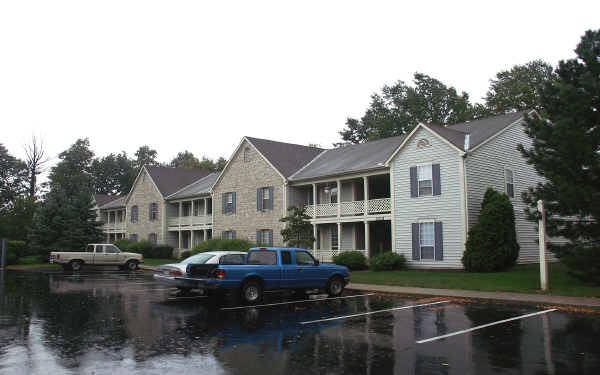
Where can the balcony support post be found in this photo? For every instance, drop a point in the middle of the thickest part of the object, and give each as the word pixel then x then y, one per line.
pixel 314 186
pixel 179 223
pixel 191 238
pixel 179 231
pixel 367 240
pixel 339 198
pixel 366 193
pixel 315 237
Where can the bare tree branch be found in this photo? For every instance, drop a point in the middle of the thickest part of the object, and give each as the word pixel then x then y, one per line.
pixel 36 162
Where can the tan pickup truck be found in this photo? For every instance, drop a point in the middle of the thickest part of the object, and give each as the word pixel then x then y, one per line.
pixel 97 254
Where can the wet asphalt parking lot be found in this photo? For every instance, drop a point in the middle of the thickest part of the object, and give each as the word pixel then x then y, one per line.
pixel 114 322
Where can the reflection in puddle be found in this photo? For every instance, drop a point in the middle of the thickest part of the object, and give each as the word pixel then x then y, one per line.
pixel 107 323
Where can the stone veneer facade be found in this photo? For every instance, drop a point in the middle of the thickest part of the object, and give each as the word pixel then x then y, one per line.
pixel 143 193
pixel 244 178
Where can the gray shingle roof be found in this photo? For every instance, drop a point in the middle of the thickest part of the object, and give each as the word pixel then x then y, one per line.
pixel 352 158
pixel 200 187
pixel 102 199
pixel 170 180
pixel 116 203
pixel 287 158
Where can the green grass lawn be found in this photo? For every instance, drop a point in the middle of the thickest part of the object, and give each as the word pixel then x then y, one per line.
pixel 157 261
pixel 524 279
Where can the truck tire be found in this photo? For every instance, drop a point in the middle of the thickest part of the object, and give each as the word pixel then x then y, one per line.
pixel 75 265
pixel 131 265
pixel 252 292
pixel 335 286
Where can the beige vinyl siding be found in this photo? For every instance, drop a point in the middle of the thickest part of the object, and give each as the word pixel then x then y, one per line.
pixel 445 207
pixel 485 168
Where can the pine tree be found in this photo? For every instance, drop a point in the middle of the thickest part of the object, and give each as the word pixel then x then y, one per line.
pixel 299 230
pixel 566 152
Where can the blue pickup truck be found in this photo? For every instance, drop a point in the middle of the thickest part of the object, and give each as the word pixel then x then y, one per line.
pixel 268 268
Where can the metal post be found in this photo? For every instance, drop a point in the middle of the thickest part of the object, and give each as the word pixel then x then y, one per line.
pixel 3 255
pixel 542 240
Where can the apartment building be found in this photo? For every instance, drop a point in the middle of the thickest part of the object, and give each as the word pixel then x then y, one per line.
pixel 416 194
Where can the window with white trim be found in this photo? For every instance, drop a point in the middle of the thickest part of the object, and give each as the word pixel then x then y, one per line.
pixel 133 237
pixel 134 214
pixel 509 183
pixel 427 240
pixel 153 211
pixel 265 197
pixel 247 155
pixel 228 235
pixel 425 179
pixel 152 237
pixel 265 237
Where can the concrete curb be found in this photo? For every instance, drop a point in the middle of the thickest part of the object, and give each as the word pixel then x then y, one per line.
pixel 497 296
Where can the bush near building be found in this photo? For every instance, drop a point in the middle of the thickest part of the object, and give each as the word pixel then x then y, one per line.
pixel 492 243
pixel 388 261
pixel 222 245
pixel 146 248
pixel 354 260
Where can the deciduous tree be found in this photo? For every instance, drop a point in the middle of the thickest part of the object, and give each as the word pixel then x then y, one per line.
pixel 298 231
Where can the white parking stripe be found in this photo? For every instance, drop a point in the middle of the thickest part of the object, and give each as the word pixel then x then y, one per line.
pixel 484 326
pixel 178 298
pixel 150 290
pixel 372 312
pixel 290 302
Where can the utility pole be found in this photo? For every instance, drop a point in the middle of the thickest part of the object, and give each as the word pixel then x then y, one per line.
pixel 542 240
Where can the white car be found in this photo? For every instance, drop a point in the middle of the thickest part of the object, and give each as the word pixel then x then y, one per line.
pixel 167 273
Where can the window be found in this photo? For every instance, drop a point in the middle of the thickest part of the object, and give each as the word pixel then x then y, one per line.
pixel 304 259
pixel 509 182
pixel 286 257
pixel 427 240
pixel 111 249
pixel 229 203
pixel 425 180
pixel 133 237
pixel 90 248
pixel 334 239
pixel 133 215
pixel 153 211
pixel 247 155
pixel 264 257
pixel 196 207
pixel 232 259
pixel 264 198
pixel 228 235
pixel 153 238
pixel 264 237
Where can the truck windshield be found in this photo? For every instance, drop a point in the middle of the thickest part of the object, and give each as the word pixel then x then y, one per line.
pixel 198 259
pixel 263 257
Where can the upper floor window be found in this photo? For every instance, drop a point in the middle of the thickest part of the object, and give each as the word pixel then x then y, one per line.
pixel 152 237
pixel 425 180
pixel 509 183
pixel 133 215
pixel 264 198
pixel 247 155
pixel 153 211
pixel 228 200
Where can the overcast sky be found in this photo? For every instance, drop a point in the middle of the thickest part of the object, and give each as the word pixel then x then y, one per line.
pixel 199 75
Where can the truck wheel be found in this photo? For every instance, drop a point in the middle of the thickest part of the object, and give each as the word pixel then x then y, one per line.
pixel 335 286
pixel 131 265
pixel 252 292
pixel 75 265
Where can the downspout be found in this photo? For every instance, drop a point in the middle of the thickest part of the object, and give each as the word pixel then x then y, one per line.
pixel 464 192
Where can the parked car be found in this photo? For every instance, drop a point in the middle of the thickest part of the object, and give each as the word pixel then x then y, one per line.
pixel 167 273
pixel 267 268
pixel 99 254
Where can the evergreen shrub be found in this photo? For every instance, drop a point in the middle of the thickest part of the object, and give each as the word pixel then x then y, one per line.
pixel 388 261
pixel 492 242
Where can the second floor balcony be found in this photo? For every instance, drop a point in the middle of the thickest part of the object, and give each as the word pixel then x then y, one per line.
pixel 188 221
pixel 350 208
pixel 114 227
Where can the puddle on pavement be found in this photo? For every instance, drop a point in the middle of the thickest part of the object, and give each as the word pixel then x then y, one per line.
pixel 106 323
